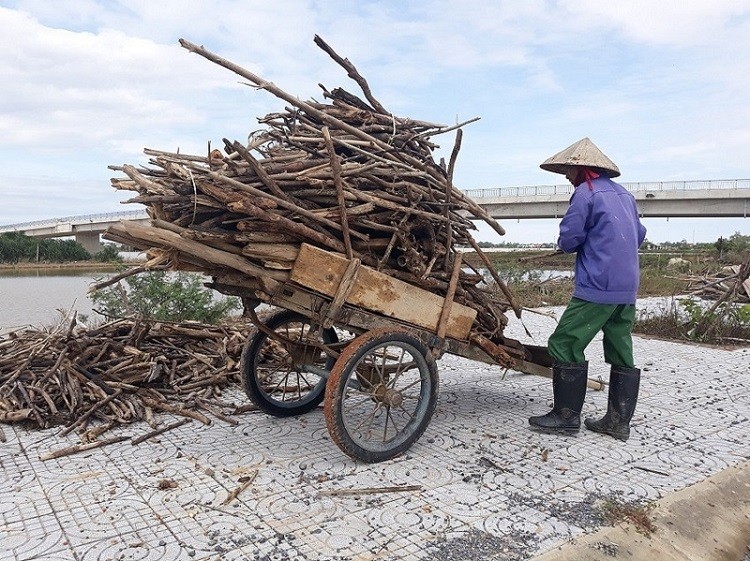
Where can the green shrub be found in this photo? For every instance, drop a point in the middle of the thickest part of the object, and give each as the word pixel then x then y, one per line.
pixel 688 319
pixel 163 296
pixel 108 254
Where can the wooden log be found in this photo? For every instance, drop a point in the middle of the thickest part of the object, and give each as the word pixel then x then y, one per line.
pixel 294 209
pixel 176 410
pixel 84 418
pixel 448 193
pixel 500 282
pixel 342 293
pixel 353 74
pixel 259 171
pixel 370 490
pixel 201 251
pixel 242 487
pixel 282 252
pixel 16 416
pixel 288 225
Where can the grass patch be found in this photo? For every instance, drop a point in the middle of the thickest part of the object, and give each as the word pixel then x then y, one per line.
pixel 537 279
pixel 536 293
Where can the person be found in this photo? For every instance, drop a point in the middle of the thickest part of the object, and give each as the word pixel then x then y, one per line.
pixel 601 226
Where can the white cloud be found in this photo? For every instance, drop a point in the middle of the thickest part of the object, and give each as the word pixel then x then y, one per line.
pixel 679 23
pixel 90 83
pixel 81 88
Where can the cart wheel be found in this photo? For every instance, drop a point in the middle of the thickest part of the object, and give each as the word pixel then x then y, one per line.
pixel 381 394
pixel 286 378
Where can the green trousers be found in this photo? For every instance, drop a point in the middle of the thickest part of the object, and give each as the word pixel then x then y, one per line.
pixel 580 323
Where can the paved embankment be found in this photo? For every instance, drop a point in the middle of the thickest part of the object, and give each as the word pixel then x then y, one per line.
pixel 489 488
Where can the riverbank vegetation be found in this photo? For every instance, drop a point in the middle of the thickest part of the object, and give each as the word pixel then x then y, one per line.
pixel 540 278
pixel 19 249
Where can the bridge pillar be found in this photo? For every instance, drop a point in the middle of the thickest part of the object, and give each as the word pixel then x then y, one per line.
pixel 89 241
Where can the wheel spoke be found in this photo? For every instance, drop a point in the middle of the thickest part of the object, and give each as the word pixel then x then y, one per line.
pixel 393 421
pixel 286 384
pixel 274 371
pixel 411 385
pixel 399 370
pixel 385 425
pixel 378 370
pixel 307 383
pixel 411 416
pixel 369 418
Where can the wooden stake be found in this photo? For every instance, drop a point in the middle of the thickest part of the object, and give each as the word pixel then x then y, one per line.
pixel 336 169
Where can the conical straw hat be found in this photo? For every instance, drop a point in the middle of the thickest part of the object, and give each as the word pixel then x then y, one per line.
pixel 582 153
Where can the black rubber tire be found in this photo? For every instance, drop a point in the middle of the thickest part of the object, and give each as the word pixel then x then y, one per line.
pixel 252 355
pixel 344 377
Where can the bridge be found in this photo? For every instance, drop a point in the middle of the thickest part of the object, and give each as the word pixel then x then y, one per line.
pixel 86 228
pixel 715 198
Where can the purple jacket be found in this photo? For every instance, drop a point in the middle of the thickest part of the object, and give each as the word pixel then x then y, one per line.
pixel 602 227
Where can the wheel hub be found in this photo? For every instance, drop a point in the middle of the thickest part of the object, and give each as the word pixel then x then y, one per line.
pixel 388 396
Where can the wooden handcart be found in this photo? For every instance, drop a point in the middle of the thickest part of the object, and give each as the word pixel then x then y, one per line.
pixel 363 343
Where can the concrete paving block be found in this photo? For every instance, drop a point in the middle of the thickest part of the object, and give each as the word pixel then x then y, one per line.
pixel 489 487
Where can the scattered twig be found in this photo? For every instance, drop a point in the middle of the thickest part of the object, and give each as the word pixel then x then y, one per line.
pixel 81 448
pixel 370 490
pixel 235 492
pixel 649 470
pixel 157 432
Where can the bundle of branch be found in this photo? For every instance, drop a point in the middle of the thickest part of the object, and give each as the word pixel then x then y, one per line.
pixel 346 176
pixel 124 371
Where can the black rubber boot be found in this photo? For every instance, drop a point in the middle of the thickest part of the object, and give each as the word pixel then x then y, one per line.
pixel 569 391
pixel 623 395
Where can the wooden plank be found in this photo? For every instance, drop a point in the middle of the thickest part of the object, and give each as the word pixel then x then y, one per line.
pixel 321 271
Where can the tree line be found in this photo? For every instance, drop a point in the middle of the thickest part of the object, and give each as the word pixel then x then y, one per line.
pixel 737 245
pixel 16 247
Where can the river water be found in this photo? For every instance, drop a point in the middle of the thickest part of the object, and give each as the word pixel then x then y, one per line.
pixel 33 297
pixel 42 297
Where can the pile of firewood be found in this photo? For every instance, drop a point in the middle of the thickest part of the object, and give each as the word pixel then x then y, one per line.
pixel 728 289
pixel 123 371
pixel 346 176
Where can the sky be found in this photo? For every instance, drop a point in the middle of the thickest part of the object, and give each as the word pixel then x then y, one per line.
pixel 661 87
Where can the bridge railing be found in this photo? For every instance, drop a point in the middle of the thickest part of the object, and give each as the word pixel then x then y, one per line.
pixel 634 187
pixel 523 191
pixel 80 219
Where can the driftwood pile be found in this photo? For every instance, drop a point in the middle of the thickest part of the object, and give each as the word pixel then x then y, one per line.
pixel 92 380
pixel 731 284
pixel 728 289
pixel 346 176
